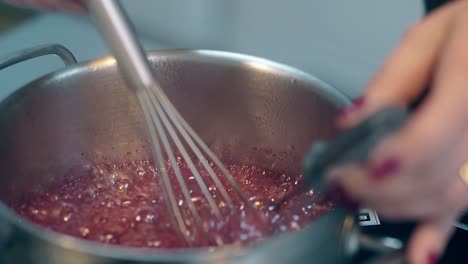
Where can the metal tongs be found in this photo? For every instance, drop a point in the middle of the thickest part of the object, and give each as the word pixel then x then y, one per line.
pixel 353 145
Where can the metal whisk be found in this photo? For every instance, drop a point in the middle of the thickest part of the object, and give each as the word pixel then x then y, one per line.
pixel 166 126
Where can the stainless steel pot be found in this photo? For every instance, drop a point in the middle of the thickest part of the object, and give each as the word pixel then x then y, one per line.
pixel 245 108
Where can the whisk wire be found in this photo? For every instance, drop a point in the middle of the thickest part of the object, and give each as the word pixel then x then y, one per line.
pixel 163 119
pixel 216 161
pixel 157 152
pixel 190 136
pixel 186 156
pixel 192 139
pixel 169 152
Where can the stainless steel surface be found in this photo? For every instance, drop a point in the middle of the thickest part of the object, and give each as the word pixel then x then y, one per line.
pixel 114 26
pixel 461 226
pixel 162 116
pixel 116 29
pixel 67 57
pixel 254 111
pixel 383 245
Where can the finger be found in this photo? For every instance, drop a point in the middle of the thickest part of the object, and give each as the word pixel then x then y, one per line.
pixel 431 154
pixel 438 127
pixel 419 205
pixel 352 179
pixel 451 73
pixel 406 71
pixel 390 196
pixel 427 199
pixel 421 193
pixel 429 240
pixel 394 199
pixel 411 197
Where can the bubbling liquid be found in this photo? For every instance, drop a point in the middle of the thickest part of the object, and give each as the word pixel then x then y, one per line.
pixel 124 204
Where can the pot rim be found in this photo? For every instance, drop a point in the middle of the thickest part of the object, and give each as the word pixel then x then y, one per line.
pixel 332 94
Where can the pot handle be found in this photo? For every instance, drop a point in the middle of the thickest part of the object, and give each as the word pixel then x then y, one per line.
pixel 387 250
pixel 382 246
pixel 66 55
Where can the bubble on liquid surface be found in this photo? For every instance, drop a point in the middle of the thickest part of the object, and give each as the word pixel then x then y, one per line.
pixel 123 204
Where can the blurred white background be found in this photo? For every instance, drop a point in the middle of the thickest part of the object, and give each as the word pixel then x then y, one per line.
pixel 341 42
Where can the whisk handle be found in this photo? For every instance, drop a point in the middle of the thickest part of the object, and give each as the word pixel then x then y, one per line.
pixel 121 39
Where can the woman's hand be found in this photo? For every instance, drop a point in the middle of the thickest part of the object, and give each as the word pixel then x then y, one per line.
pixel 416 173
pixel 71 6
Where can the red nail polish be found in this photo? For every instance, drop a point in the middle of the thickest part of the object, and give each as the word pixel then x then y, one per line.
pixel 337 194
pixel 385 169
pixel 433 258
pixel 354 106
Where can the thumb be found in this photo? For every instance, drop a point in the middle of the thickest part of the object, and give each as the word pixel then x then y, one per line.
pixel 429 240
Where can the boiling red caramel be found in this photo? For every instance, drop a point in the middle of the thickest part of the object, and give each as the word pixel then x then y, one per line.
pixel 123 204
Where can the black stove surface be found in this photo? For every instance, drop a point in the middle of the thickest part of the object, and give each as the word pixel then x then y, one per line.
pixel 456 252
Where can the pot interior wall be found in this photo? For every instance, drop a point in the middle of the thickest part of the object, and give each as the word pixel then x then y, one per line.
pixel 245 111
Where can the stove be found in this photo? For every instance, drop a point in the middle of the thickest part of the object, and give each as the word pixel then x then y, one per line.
pixel 456 250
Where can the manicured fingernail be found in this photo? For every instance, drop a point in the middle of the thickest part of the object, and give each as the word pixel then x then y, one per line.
pixel 353 107
pixel 337 194
pixel 387 168
pixel 433 258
